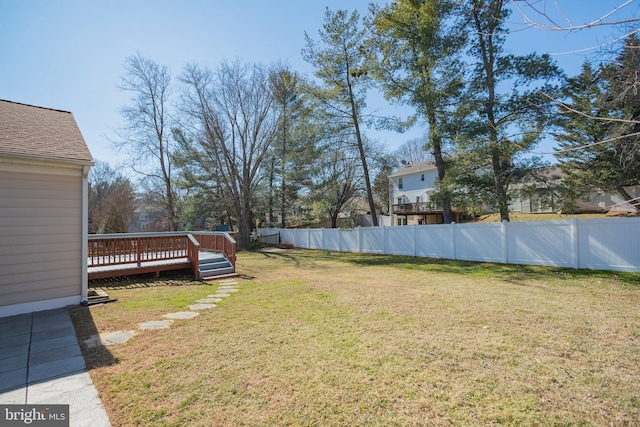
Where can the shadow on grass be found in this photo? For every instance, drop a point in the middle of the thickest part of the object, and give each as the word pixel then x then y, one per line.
pixel 94 356
pixel 279 253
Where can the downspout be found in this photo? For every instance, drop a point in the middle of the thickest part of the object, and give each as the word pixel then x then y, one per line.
pixel 85 233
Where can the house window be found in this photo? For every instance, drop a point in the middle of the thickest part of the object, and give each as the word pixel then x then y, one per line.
pixel 418 199
pixel 402 221
pixel 422 177
pixel 400 200
pixel 400 183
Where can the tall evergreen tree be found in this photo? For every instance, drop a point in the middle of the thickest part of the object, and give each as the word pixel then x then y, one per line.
pixel 292 149
pixel 339 62
pixel 600 125
pixel 504 113
pixel 418 45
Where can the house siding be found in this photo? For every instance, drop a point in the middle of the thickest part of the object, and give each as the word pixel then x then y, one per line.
pixel 418 185
pixel 40 235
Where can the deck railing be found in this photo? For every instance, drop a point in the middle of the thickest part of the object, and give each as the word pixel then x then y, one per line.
pixel 416 208
pixel 130 248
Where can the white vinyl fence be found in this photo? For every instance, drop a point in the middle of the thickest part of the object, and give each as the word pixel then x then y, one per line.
pixel 598 244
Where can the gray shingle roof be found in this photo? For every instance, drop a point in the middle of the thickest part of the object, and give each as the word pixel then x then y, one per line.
pixel 414 168
pixel 42 133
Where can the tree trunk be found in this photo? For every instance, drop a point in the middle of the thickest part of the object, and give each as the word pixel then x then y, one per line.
pixel 440 166
pixel 363 157
pixel 283 183
pixel 499 175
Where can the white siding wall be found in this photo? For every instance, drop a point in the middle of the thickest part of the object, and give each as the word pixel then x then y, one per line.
pixel 40 237
pixel 413 186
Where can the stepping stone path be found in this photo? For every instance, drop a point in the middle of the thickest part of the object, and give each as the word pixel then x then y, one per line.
pixel 156 324
pixel 225 288
pixel 201 306
pixel 181 315
pixel 109 338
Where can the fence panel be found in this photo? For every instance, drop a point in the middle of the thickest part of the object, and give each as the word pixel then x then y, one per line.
pixel 315 238
pixel 331 239
pixel 435 241
pixel 610 244
pixel 480 242
pixel 607 244
pixel 400 241
pixel 373 239
pixel 350 240
pixel 297 238
pixel 541 243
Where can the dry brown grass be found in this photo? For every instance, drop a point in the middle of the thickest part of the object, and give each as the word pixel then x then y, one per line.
pixel 317 338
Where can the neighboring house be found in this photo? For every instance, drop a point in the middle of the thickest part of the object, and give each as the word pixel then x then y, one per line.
pixel 412 187
pixel 541 192
pixel 44 164
pixel 146 219
pixel 411 190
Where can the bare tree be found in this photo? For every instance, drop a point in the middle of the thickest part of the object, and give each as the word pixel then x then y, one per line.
pixel 550 15
pixel 336 181
pixel 413 151
pixel 111 200
pixel 237 122
pixel 146 135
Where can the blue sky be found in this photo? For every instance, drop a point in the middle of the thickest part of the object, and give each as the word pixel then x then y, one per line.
pixel 68 54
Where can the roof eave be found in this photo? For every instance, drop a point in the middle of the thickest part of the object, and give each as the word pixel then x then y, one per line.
pixel 31 159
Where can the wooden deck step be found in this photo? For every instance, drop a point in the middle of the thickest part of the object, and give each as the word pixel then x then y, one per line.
pixel 213 264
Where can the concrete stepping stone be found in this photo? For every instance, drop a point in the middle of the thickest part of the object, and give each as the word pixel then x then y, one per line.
pixel 219 295
pixel 109 338
pixel 209 300
pixel 156 324
pixel 181 315
pixel 201 306
pixel 228 282
pixel 227 290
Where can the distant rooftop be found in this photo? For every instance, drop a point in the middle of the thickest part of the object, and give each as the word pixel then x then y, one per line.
pixel 41 133
pixel 412 168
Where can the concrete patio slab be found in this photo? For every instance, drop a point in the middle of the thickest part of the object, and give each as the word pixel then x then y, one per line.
pixel 49 367
pixel 55 353
pixel 11 379
pixel 14 340
pixel 14 397
pixel 47 344
pixel 54 369
pixel 78 388
pixel 9 364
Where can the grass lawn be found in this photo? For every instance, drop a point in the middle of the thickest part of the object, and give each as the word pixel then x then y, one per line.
pixel 327 339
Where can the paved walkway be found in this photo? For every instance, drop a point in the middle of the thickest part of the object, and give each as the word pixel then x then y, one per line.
pixel 41 363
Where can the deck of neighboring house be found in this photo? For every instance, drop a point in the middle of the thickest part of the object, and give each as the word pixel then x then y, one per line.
pixel 207 254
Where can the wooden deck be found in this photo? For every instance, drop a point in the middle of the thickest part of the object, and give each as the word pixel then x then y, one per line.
pixel 207 254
